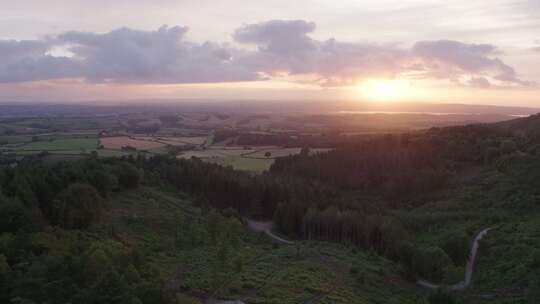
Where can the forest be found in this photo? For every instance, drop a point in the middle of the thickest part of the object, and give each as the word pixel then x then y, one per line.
pixel 356 194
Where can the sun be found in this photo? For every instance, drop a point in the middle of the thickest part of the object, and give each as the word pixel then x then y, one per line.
pixel 382 89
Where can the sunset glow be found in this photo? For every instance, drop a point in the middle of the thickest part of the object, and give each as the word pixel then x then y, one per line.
pixel 384 90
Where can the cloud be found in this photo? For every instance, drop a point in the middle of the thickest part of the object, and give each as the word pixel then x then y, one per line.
pixel 263 50
pixel 28 60
pixel 452 59
pixel 124 55
pixel 26 48
pixel 285 46
pixel 161 56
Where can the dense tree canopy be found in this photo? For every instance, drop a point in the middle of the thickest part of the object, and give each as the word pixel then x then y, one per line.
pixel 78 206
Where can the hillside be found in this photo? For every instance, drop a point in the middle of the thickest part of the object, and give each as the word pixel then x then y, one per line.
pixel 367 220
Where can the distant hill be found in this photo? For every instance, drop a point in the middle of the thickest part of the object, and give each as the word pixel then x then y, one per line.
pixel 243 106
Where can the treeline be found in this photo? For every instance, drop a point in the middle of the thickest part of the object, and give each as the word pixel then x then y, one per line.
pixel 380 233
pixel 222 187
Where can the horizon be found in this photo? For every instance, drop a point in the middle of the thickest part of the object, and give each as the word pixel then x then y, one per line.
pixel 259 102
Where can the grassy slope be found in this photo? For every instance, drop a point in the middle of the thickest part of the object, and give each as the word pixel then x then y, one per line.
pixel 256 270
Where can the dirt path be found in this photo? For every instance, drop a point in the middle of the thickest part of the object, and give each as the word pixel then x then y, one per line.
pixel 468 268
pixel 266 227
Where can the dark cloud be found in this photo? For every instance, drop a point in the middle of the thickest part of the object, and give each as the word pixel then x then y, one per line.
pixel 166 56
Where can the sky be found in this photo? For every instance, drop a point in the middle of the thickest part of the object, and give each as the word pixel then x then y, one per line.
pixel 459 51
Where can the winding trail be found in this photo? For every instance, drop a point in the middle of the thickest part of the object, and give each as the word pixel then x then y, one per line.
pixel 266 227
pixel 468 268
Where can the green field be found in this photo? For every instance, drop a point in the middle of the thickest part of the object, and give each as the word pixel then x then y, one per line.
pixel 47 124
pixel 14 139
pixel 67 144
pixel 252 159
pixel 280 152
pixel 231 157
